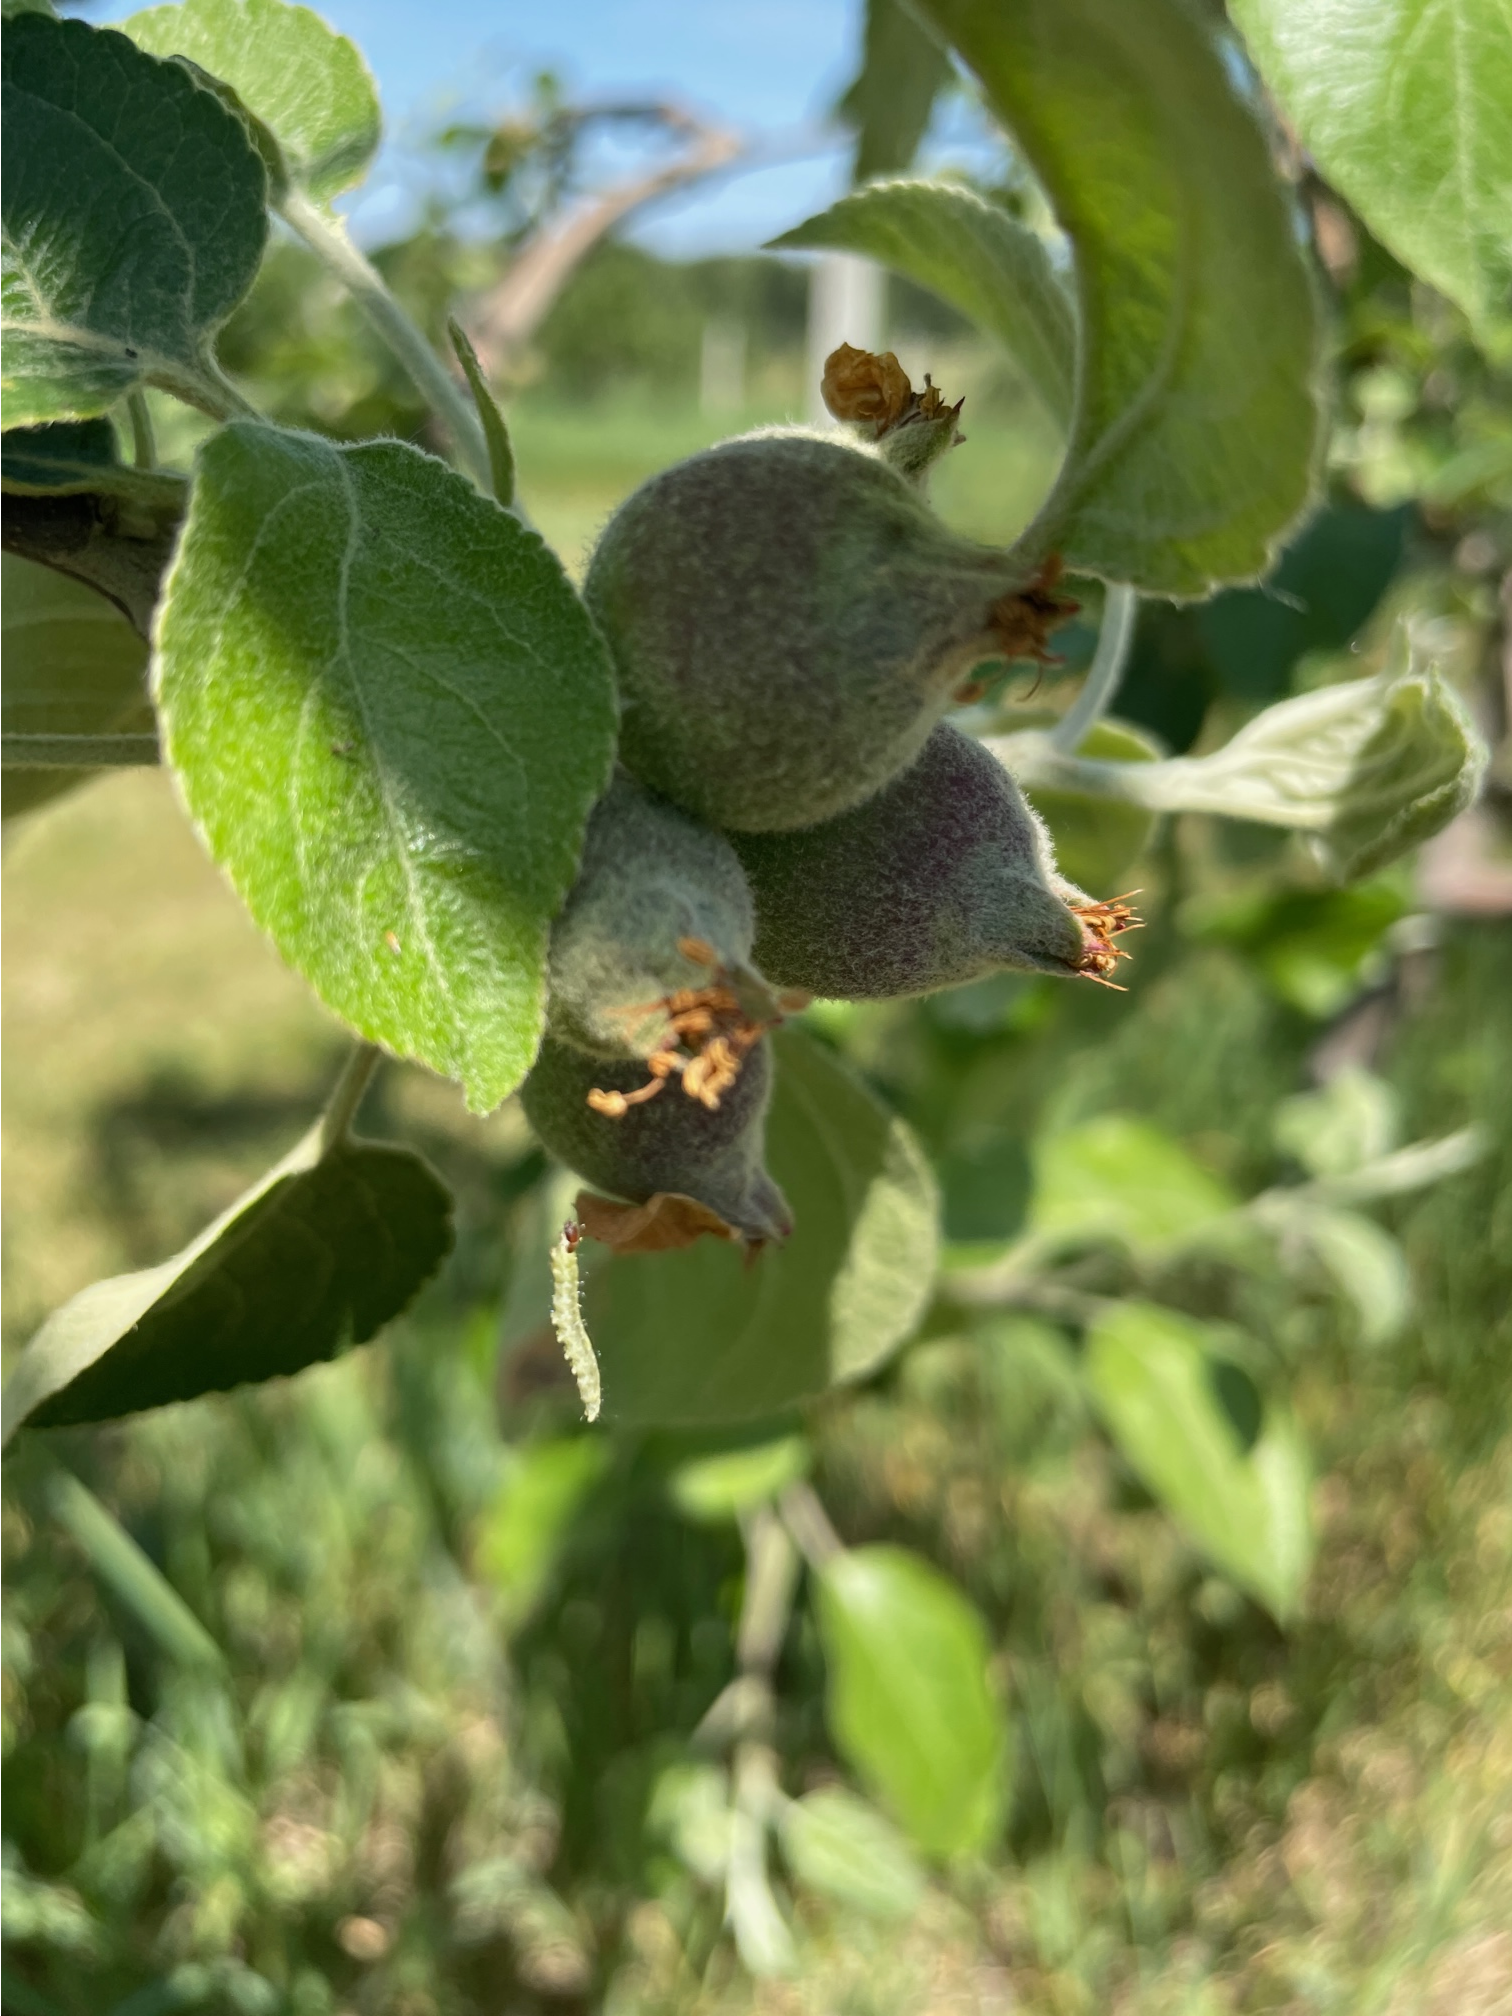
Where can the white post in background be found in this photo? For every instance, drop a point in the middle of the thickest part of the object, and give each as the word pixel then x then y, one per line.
pixel 846 305
pixel 722 366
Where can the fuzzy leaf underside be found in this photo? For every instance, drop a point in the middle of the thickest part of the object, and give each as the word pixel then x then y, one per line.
pixel 1197 426
pixel 973 255
pixel 134 220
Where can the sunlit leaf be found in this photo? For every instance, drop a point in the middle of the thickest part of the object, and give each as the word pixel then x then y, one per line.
pixel 732 1481
pixel 1118 1177
pixel 1404 105
pixel 390 715
pixel 1152 1376
pixel 1315 947
pixel 309 85
pixel 1418 767
pixel 1365 1264
pixel 543 1486
pixel 973 255
pixel 1331 1132
pixel 319 1255
pixel 689 1809
pixel 910 1704
pixel 838 1845
pixel 709 1334
pixel 1196 431
pixel 134 221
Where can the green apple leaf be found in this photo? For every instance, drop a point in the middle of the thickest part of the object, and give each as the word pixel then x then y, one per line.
pixel 73 666
pixel 1350 1121
pixel 1120 1178
pixel 707 1334
pixel 1153 1376
pixel 843 1848
pixel 1406 106
pixel 390 716
pixel 501 462
pixel 729 1483
pixel 1365 1263
pixel 57 456
pixel 134 221
pixel 903 71
pixel 542 1489
pixel 1196 433
pixel 77 458
pixel 1366 769
pixel 973 255
pixel 910 1704
pixel 319 1255
pixel 308 85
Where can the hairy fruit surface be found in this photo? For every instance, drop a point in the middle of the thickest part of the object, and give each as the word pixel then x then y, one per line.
pixel 944 876
pixel 713 1155
pixel 660 906
pixel 788 619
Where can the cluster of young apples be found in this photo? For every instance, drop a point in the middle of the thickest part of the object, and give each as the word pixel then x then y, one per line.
pixel 792 817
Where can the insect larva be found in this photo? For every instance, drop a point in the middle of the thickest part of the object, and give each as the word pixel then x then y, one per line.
pixel 567 1318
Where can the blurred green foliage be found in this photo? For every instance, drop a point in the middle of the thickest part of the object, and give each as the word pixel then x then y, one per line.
pixel 450 1756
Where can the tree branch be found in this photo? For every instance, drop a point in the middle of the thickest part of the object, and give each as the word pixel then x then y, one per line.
pixel 504 319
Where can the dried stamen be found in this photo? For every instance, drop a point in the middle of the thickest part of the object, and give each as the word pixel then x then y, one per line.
pixel 1022 622
pixel 1101 923
pixel 709 1031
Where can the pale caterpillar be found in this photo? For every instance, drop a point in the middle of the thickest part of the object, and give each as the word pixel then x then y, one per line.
pixel 567 1318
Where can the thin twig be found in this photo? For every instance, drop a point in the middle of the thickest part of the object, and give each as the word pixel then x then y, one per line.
pixel 341 1107
pixel 809 1524
pixel 143 442
pixel 327 238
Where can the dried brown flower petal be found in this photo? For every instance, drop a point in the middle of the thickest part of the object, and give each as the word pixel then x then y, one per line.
pixel 862 386
pixel 663 1224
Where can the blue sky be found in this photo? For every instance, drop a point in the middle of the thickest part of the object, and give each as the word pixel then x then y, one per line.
pixel 769 67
